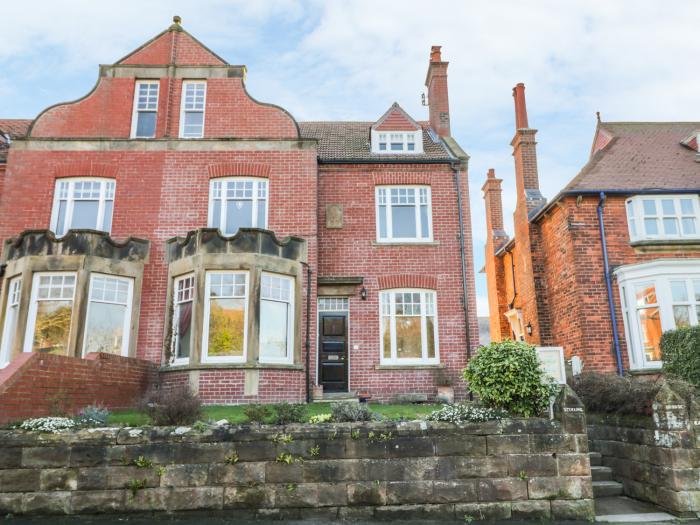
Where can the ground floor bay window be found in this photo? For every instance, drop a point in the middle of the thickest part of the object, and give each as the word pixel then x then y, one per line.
pixel 225 317
pixel 655 297
pixel 11 315
pixel 108 315
pixel 50 313
pixel 276 318
pixel 408 327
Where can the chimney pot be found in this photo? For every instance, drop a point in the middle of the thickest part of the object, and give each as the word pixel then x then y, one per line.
pixel 520 108
pixel 492 173
pixel 435 54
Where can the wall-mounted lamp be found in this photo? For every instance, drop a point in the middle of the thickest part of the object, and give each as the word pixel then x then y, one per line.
pixel 528 329
pixel 363 293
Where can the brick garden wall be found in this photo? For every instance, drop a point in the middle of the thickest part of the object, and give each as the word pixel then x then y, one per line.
pixel 40 384
pixel 498 470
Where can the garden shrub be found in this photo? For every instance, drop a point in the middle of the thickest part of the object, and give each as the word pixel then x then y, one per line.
pixel 92 416
pixel 612 394
pixel 460 413
pixel 320 418
pixel 348 411
pixel 680 351
pixel 177 405
pixel 286 413
pixel 257 413
pixel 508 376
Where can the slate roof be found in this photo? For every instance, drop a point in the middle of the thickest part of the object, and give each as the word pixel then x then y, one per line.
pixel 641 156
pixel 15 128
pixel 349 141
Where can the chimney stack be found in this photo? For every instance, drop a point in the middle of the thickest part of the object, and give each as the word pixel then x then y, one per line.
pixel 438 102
pixel 494 208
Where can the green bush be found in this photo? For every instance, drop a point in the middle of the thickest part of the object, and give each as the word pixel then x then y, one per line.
pixel 257 413
pixel 286 413
pixel 681 354
pixel 508 376
pixel 177 405
pixel 348 412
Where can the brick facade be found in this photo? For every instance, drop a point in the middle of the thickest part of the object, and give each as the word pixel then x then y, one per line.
pixel 162 191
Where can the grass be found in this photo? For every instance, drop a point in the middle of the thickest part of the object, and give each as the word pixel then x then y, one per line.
pixel 234 413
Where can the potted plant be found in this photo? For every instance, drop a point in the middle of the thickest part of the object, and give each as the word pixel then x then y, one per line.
pixel 445 386
pixel 317 392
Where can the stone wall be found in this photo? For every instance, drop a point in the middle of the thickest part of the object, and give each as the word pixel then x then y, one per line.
pixel 656 458
pixel 498 470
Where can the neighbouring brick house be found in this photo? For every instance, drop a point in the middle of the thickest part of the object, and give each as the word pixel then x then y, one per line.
pixel 625 231
pixel 169 216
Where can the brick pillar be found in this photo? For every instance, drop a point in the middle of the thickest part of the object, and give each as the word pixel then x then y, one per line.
pixel 438 102
pixel 494 265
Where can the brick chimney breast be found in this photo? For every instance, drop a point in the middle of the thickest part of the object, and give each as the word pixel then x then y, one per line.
pixel 438 100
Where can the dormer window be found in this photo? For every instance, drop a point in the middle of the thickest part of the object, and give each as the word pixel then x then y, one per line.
pixel 663 217
pixel 395 142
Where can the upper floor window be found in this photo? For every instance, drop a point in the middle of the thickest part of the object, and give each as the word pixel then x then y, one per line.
pixel 82 204
pixel 194 95
pixel 276 318
pixel 237 203
pixel 108 315
pixel 404 214
pixel 397 142
pixel 663 217
pixel 143 120
pixel 408 327
pixel 225 317
pixel 11 315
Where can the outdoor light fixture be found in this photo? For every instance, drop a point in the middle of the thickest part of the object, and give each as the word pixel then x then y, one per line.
pixel 363 293
pixel 528 328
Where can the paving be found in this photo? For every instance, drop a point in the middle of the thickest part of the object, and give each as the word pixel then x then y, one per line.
pixel 620 509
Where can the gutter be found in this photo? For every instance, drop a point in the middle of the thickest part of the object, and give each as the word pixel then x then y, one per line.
pixel 608 284
pixel 386 161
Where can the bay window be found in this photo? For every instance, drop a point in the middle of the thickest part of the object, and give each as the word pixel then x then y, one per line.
pixel 50 313
pixel 276 318
pixel 225 317
pixel 663 217
pixel 408 327
pixel 82 204
pixel 656 297
pixel 108 320
pixel 404 214
pixel 143 120
pixel 237 203
pixel 192 109
pixel 11 314
pixel 182 319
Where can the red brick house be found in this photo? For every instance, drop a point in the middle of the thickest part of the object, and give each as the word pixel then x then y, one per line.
pixel 169 216
pixel 613 260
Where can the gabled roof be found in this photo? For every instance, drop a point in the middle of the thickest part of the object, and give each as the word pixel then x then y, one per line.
pixel 348 141
pixel 396 119
pixel 14 129
pixel 640 156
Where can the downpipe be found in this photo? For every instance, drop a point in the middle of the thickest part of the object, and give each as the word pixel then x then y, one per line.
pixel 307 343
pixel 460 216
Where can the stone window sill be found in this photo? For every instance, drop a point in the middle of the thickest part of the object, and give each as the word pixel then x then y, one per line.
pixel 431 243
pixel 219 366
pixel 409 367
pixel 644 371
pixel 667 245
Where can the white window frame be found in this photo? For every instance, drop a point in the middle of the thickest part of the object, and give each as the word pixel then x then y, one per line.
pixel 64 191
pixel 191 296
pixel 660 273
pixel 14 295
pixel 378 137
pixel 205 323
pixel 33 306
pixel 394 360
pixel 135 110
pixel 184 109
pixel 634 207
pixel 389 239
pixel 126 325
pixel 289 359
pixel 258 184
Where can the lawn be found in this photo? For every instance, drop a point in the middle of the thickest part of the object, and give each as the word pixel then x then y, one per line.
pixel 234 413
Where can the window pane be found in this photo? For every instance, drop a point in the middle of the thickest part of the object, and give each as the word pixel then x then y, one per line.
pixel 85 215
pixel 689 226
pixel 696 286
pixel 239 214
pixel 194 124
pixel 52 327
pixel 273 329
pixel 109 205
pixel 650 325
pixel 651 226
pixel 668 207
pixel 679 291
pixel 646 294
pixel 386 336
pixel 671 226
pixel 397 146
pixel 408 338
pixel 104 330
pixel 430 328
pixel 687 207
pixel 382 222
pixel 424 224
pixel 403 222
pixel 681 315
pixel 226 325
pixel 216 214
pixel 262 214
pixel 649 207
pixel 184 330
pixel 61 221
pixel 146 124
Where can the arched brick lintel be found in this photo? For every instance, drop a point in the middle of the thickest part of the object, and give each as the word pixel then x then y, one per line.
pixel 401 178
pixel 86 169
pixel 239 169
pixel 407 281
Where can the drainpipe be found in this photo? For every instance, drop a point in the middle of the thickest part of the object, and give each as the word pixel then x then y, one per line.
pixel 455 168
pixel 608 284
pixel 307 344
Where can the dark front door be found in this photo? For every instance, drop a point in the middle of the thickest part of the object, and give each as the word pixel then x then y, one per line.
pixel 333 351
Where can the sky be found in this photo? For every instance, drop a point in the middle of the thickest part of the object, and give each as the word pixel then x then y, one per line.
pixel 350 59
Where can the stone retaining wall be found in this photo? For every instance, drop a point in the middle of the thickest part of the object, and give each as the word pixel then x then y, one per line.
pixel 517 469
pixel 656 458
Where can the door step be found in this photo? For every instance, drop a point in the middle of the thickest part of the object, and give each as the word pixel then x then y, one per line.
pixel 606 489
pixel 596 459
pixel 339 396
pixel 601 473
pixel 622 509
